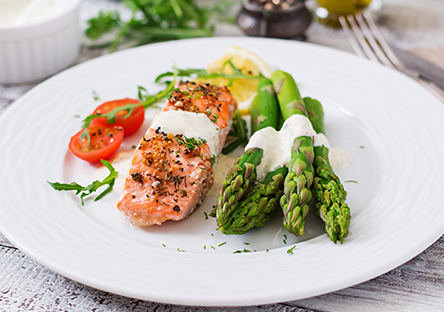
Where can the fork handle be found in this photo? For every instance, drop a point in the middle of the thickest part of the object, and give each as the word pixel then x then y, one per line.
pixel 432 88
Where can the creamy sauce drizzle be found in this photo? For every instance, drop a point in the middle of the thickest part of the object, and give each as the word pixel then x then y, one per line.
pixel 191 125
pixel 277 144
pixel 339 159
pixel 220 170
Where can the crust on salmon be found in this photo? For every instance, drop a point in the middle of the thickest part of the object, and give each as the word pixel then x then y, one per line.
pixel 170 174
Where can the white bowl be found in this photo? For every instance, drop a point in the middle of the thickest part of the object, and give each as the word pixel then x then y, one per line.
pixel 38 50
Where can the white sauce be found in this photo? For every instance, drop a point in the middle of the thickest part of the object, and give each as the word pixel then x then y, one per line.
pixel 20 12
pixel 220 170
pixel 191 125
pixel 277 144
pixel 339 159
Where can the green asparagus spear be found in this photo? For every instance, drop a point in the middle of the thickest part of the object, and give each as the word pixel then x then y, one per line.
pixel 289 97
pixel 265 108
pixel 252 205
pixel 258 205
pixel 328 190
pixel 238 181
pixel 297 194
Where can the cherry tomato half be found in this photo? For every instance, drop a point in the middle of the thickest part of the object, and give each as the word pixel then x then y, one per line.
pixel 104 142
pixel 131 124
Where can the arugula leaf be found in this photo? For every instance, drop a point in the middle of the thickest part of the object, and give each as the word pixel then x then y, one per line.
pixel 91 188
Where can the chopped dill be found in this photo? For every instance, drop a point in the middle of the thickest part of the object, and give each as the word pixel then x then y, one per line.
pixel 95 95
pixel 290 251
pixel 351 181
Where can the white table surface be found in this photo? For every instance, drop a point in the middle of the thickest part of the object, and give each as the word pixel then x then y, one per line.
pixel 418 285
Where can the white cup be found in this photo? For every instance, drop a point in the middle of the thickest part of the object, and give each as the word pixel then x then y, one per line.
pixel 36 50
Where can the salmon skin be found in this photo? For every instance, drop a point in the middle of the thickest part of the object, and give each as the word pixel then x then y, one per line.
pixel 170 173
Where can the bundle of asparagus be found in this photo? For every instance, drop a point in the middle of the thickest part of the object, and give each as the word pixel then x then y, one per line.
pixel 245 203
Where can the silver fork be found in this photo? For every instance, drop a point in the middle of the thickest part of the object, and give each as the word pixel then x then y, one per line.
pixel 367 42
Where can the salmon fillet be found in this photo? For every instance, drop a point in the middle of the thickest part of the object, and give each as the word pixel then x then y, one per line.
pixel 170 174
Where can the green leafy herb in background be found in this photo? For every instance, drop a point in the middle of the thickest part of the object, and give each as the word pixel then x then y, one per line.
pixel 159 20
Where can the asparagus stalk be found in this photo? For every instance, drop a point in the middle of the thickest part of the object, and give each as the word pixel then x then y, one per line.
pixel 252 205
pixel 264 109
pixel 238 181
pixel 297 194
pixel 327 188
pixel 258 205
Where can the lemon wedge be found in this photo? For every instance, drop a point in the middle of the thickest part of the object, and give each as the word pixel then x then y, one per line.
pixel 243 90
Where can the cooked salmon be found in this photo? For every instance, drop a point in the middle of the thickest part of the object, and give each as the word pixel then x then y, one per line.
pixel 171 173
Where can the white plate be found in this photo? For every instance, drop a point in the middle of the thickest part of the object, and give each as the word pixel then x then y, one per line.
pixel 390 125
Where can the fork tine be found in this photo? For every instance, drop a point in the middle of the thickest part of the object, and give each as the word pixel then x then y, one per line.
pixel 361 39
pixel 351 38
pixel 372 42
pixel 388 51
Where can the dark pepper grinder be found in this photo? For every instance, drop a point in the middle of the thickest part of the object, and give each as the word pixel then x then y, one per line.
pixel 274 18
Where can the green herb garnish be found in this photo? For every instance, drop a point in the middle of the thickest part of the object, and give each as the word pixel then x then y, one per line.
pixel 111 116
pixel 96 96
pixel 190 143
pixel 160 20
pixel 89 189
pixel 238 134
pixel 216 117
pixel 290 251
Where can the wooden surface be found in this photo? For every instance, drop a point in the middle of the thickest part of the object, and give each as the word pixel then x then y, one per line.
pixel 417 285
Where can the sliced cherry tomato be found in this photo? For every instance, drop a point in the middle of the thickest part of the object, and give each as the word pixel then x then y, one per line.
pixel 131 124
pixel 104 142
